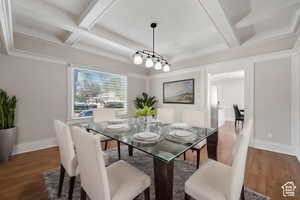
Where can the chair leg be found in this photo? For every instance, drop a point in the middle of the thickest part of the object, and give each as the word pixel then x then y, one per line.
pixel 198 158
pixel 147 193
pixel 235 124
pixel 243 193
pixel 186 196
pixel 71 187
pixel 184 156
pixel 105 145
pixel 119 150
pixel 82 194
pixel 61 180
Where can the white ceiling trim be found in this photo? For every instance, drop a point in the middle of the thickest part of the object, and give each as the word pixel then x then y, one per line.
pixel 6 25
pixel 218 17
pixel 57 18
pixel 35 56
pixel 235 62
pixel 44 58
pixel 90 17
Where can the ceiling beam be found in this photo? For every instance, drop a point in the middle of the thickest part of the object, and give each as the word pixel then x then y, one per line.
pixel 39 11
pixel 90 17
pixel 218 17
pixel 6 26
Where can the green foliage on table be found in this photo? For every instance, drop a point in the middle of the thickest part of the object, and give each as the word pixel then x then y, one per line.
pixel 146 111
pixel 145 100
pixel 7 110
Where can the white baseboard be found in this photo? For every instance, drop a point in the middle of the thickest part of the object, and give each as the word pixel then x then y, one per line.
pixel 275 147
pixel 34 146
pixel 298 154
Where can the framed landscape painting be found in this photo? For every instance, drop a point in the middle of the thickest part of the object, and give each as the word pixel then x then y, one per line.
pixel 179 92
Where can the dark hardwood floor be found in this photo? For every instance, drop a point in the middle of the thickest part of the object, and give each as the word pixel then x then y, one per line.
pixel 21 177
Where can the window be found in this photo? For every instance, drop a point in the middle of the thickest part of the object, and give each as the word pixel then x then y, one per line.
pixel 92 90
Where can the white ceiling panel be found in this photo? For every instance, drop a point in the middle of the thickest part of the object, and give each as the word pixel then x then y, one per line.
pixel 181 24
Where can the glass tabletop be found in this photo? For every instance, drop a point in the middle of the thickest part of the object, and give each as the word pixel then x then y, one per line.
pixel 164 141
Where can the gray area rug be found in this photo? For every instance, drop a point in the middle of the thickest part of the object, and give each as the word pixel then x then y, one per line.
pixel 183 170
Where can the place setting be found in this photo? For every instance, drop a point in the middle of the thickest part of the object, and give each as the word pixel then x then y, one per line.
pixel 180 133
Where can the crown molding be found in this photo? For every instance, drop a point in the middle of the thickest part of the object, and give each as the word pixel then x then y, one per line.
pixel 6 26
pixel 35 56
pixel 233 62
pixel 40 57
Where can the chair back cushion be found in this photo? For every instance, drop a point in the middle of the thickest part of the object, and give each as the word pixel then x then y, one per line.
pixel 237 171
pixel 103 114
pixel 66 147
pixel 165 115
pixel 91 162
pixel 193 118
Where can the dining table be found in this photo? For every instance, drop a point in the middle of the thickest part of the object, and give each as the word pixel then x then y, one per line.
pixel 169 144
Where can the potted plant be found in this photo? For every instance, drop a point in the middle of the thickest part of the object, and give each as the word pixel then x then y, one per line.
pixel 145 100
pixel 8 130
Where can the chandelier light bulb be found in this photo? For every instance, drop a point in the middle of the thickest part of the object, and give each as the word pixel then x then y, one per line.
pixel 166 68
pixel 158 65
pixel 149 62
pixel 137 59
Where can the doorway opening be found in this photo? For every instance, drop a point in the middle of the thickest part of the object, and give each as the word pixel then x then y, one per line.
pixel 226 99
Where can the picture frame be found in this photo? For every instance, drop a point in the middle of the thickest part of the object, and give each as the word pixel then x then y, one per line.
pixel 179 92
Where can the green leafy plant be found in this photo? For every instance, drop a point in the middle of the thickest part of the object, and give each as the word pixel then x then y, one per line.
pixel 145 100
pixel 7 110
pixel 146 111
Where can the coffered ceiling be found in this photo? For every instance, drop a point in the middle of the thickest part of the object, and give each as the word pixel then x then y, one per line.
pixel 186 29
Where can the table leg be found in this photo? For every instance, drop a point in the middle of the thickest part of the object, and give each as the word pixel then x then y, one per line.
pixel 119 150
pixel 164 176
pixel 212 146
pixel 130 150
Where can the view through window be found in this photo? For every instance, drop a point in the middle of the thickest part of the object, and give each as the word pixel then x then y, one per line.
pixel 94 90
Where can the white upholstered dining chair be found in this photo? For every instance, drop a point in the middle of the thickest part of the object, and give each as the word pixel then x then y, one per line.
pixel 102 115
pixel 166 115
pixel 195 118
pixel 216 181
pixel 119 181
pixel 68 161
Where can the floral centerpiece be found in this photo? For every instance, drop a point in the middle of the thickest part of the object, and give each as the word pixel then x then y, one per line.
pixel 145 115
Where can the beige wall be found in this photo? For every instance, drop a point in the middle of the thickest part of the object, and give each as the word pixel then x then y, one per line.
pixel 41 90
pixel 273 101
pixel 271 104
pixel 156 89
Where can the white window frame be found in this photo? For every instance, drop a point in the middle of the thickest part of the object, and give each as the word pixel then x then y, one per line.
pixel 70 98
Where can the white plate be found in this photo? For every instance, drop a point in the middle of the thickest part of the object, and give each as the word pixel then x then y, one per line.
pixel 179 125
pixel 182 133
pixel 146 135
pixel 116 121
pixel 117 126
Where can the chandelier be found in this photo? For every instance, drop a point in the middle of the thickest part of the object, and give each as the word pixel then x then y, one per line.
pixel 150 57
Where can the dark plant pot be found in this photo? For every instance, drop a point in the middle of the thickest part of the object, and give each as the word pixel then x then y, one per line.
pixel 7 142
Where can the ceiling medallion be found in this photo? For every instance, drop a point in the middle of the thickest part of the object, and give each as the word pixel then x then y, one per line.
pixel 150 57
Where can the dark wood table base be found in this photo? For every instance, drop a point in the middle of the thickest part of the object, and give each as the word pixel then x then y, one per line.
pixel 163 175
pixel 164 171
